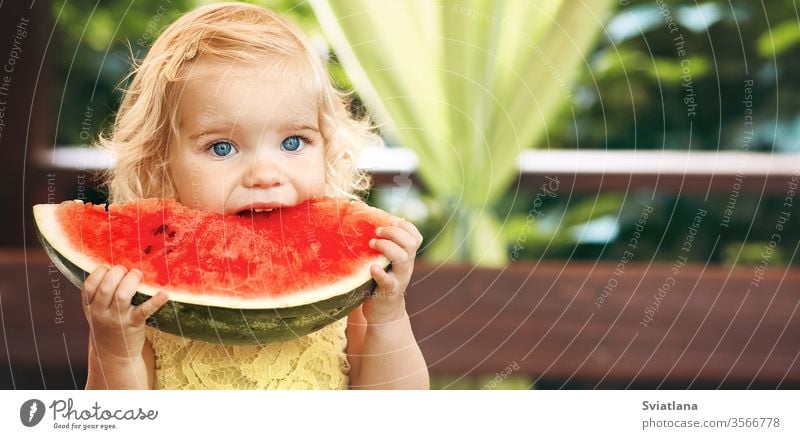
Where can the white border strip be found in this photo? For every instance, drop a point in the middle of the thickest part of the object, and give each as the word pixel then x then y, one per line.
pixel 409 414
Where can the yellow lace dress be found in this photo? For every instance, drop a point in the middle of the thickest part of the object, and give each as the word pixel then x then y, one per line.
pixel 315 361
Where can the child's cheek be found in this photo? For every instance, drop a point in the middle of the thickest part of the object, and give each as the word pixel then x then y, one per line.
pixel 314 181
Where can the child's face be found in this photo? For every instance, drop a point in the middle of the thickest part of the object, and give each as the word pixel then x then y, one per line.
pixel 246 141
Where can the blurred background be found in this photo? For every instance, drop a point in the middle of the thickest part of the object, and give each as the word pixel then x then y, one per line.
pixel 607 191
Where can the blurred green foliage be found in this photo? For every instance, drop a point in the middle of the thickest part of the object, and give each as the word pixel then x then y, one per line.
pixel 482 382
pixel 631 94
pixel 632 91
pixel 783 37
pixel 563 232
pixel 96 42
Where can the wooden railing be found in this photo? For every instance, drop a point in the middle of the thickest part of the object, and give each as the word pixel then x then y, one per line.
pixel 711 328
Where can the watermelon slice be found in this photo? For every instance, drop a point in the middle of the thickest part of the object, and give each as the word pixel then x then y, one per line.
pixel 256 278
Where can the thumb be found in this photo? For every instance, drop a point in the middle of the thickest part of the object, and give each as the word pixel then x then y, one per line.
pixel 143 312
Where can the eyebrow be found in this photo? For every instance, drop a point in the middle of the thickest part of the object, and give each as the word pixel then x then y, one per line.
pixel 207 127
pixel 304 127
pixel 223 129
pixel 206 133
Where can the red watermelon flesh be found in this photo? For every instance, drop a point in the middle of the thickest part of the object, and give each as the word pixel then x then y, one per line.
pixel 288 257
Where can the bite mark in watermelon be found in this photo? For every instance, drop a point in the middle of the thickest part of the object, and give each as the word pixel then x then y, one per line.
pixel 231 279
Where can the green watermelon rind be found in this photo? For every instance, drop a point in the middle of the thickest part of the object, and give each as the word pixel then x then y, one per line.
pixel 252 326
pixel 233 326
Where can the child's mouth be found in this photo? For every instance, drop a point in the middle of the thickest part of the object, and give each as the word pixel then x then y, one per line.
pixel 255 212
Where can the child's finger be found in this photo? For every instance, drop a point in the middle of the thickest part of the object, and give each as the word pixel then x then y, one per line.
pixel 402 261
pixel 411 229
pixel 91 283
pixel 108 286
pixel 127 288
pixel 391 250
pixel 386 282
pixel 400 236
pixel 143 312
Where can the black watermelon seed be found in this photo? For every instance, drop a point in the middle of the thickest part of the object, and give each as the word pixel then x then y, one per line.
pixel 160 229
pixel 148 249
pixel 171 234
pixel 169 250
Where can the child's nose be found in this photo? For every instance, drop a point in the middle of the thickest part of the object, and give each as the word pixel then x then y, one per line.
pixel 264 173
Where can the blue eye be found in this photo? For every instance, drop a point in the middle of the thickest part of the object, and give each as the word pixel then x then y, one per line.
pixel 293 143
pixel 222 149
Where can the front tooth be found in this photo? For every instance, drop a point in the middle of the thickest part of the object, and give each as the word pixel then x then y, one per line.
pixel 258 210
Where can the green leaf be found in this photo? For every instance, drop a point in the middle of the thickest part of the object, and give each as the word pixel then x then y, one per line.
pixel 779 39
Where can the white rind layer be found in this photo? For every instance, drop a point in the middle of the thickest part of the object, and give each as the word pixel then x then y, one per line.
pixel 52 232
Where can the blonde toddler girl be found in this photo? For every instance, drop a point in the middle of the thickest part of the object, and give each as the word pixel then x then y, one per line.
pixel 231 111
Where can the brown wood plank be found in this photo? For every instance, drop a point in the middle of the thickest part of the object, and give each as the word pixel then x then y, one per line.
pixel 545 318
pixel 43 346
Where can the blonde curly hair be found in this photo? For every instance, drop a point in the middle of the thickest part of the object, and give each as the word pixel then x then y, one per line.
pixel 140 139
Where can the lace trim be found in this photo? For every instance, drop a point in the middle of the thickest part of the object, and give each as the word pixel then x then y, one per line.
pixel 315 361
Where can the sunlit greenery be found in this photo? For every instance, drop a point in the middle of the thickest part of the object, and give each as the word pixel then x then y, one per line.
pixel 95 43
pixel 634 85
pixel 630 95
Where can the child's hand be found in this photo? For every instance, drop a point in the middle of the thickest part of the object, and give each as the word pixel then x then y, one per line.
pixel 399 243
pixel 117 328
